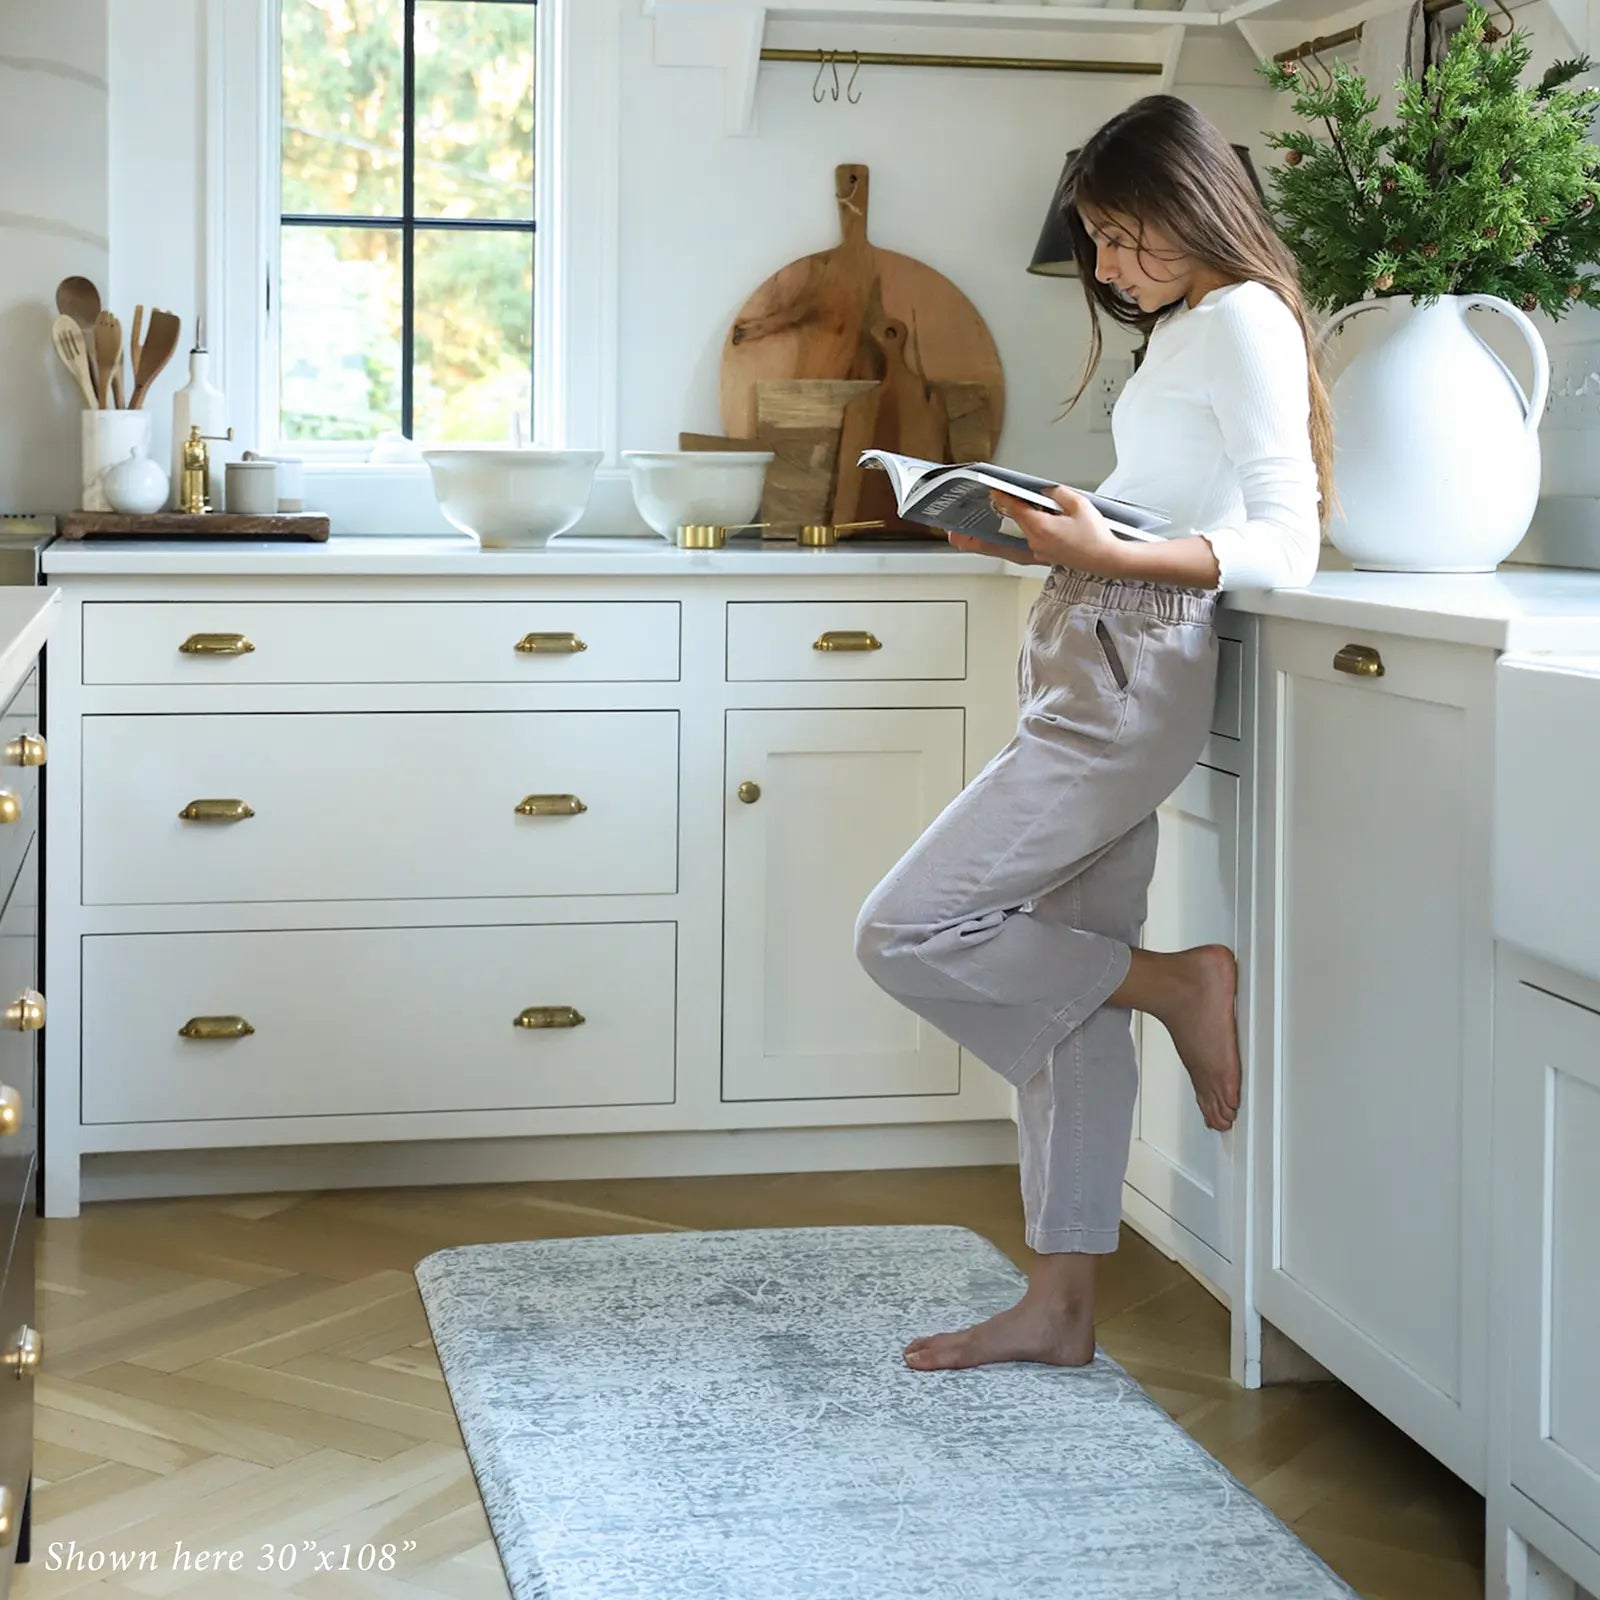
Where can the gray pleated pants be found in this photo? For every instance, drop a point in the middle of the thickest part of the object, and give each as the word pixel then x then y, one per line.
pixel 1008 924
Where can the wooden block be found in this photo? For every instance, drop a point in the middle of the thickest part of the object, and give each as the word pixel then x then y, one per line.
pixel 312 525
pixel 971 421
pixel 806 402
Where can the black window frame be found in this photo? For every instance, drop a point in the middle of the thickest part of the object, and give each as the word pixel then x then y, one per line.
pixel 408 224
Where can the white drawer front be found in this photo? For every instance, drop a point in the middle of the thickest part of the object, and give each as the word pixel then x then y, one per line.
pixel 375 806
pixel 360 1021
pixel 796 641
pixel 386 641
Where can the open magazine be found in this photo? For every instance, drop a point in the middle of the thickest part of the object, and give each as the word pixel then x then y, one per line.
pixel 955 497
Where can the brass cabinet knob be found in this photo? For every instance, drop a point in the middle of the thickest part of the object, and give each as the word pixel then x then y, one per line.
pixel 24 1352
pixel 215 1028
pixel 550 805
pixel 10 1110
pixel 216 811
pixel 848 639
pixel 549 1017
pixel 749 792
pixel 216 644
pixel 28 751
pixel 8 1516
pixel 10 807
pixel 550 644
pixel 1359 660
pixel 26 1013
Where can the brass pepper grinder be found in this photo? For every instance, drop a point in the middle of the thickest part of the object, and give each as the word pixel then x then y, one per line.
pixel 193 493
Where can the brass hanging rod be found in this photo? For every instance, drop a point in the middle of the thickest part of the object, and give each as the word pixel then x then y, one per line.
pixel 1332 41
pixel 896 58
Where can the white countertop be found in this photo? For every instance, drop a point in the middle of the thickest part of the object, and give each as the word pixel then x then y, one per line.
pixel 460 557
pixel 1517 608
pixel 26 617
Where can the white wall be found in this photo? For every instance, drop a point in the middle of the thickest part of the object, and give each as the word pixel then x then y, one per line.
pixel 963 164
pixel 53 224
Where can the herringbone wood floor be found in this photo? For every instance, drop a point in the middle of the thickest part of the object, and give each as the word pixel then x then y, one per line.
pixel 238 1373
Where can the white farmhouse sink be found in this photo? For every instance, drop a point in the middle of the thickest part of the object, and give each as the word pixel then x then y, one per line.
pixel 1547 808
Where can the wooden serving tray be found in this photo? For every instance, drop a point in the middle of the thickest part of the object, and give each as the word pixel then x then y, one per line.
pixel 183 525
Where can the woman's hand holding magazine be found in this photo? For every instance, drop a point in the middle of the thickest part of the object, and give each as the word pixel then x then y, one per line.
pixel 1054 525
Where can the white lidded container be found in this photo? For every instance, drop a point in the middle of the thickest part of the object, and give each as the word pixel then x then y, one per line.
pixel 199 403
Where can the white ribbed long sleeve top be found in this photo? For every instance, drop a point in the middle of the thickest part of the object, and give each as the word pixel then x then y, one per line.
pixel 1214 429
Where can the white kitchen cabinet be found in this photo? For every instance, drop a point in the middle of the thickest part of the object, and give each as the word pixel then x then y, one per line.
pixel 1547 1193
pixel 373 805
pixel 1177 1164
pixel 820 804
pixel 1373 1043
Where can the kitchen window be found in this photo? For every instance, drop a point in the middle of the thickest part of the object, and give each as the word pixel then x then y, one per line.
pixel 404 300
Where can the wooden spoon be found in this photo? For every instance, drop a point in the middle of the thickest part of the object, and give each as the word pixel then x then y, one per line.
pixel 107 354
pixel 79 299
pixel 135 341
pixel 67 337
pixel 154 354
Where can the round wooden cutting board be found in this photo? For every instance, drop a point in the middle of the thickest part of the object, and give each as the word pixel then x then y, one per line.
pixel 813 319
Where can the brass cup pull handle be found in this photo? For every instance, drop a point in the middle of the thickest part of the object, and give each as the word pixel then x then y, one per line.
pixel 24 1353
pixel 549 1017
pixel 25 1014
pixel 848 639
pixel 216 644
pixel 550 644
pixel 1359 660
pixel 10 1110
pixel 10 807
pixel 28 751
pixel 216 811
pixel 8 1516
pixel 550 805
pixel 215 1028
pixel 749 792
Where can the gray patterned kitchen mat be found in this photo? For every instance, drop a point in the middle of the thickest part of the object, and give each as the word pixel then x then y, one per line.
pixel 725 1416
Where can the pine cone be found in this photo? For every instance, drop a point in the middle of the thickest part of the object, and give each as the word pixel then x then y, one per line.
pixel 1293 159
pixel 1429 251
pixel 1492 35
pixel 1574 290
pixel 1383 282
pixel 1491 233
pixel 1587 203
pixel 1291 69
pixel 1530 302
pixel 1389 185
pixel 1544 222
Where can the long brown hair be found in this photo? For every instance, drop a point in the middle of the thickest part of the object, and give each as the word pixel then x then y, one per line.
pixel 1164 165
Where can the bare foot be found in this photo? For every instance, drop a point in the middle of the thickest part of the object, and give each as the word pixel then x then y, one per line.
pixel 1053 1323
pixel 1192 994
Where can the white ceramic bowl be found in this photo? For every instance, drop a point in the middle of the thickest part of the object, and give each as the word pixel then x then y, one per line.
pixel 512 499
pixel 675 487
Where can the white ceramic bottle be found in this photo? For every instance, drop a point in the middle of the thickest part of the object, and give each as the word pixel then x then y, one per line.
pixel 199 403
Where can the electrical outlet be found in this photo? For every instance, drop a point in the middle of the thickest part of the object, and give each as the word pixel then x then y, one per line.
pixel 1108 383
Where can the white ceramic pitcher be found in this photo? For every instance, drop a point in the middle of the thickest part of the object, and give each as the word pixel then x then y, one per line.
pixel 1436 446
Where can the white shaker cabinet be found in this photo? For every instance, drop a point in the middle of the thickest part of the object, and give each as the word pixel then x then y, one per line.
pixel 1177 1163
pixel 821 804
pixel 403 861
pixel 1547 1133
pixel 1372 1099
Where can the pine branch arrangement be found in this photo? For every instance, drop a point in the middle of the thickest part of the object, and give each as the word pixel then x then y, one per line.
pixel 1483 186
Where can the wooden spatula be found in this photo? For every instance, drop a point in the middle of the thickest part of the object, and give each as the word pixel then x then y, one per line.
pixel 107 354
pixel 159 343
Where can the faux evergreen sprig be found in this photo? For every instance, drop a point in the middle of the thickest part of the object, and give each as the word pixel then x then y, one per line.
pixel 1482 186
